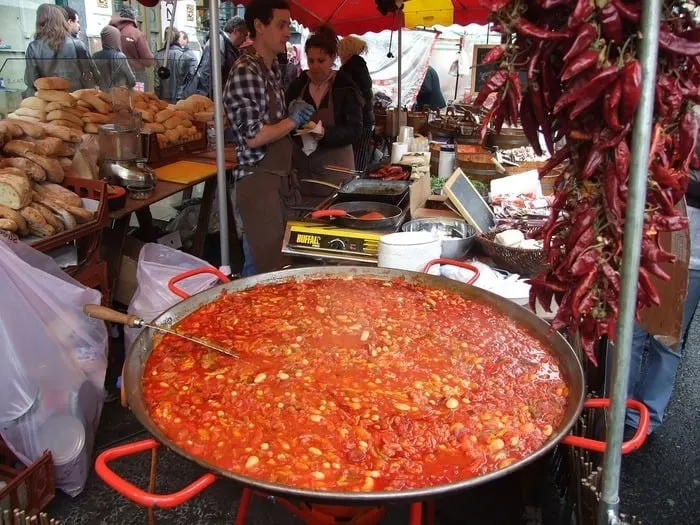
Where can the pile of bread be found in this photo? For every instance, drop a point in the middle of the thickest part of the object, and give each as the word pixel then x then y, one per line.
pixel 35 158
pixel 173 124
pixel 84 109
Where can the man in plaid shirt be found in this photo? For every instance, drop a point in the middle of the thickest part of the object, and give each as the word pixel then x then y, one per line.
pixel 261 124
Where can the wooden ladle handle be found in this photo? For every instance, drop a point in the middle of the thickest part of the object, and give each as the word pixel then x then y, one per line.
pixel 107 314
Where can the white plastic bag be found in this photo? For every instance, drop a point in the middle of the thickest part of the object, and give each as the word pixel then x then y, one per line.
pixel 58 360
pixel 157 265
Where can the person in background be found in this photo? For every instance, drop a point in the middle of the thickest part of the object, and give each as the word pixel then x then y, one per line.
pixel 261 123
pixel 338 105
pixel 170 89
pixel 73 21
pixel 189 57
pixel 349 50
pixel 231 37
pixel 111 62
pixel 430 93
pixel 134 43
pixel 289 63
pixel 653 378
pixel 55 53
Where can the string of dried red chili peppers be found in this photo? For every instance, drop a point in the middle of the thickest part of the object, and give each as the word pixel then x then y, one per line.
pixel 583 88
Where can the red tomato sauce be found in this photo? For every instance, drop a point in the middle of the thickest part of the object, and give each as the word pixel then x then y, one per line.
pixel 355 385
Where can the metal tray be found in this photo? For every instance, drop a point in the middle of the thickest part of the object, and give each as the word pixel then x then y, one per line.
pixel 390 191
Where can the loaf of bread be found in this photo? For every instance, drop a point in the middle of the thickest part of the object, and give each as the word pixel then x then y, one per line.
pixel 38 114
pixel 15 190
pixel 163 115
pixel 204 116
pixel 91 127
pixel 154 127
pixel 64 133
pixel 48 216
pixel 95 101
pixel 59 210
pixel 51 95
pixel 97 118
pixel 60 114
pixel 55 83
pixel 34 103
pixel 60 104
pixel 53 168
pixel 26 166
pixel 11 129
pixel 16 117
pixel 35 131
pixel 52 147
pixel 9 225
pixel 36 222
pixel 57 193
pixel 172 122
pixel 19 147
pixel 14 216
pixel 68 124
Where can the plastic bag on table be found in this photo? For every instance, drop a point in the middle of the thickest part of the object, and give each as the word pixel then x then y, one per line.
pixel 57 357
pixel 157 265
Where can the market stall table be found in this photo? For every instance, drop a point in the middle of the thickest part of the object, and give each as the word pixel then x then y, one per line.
pixel 116 235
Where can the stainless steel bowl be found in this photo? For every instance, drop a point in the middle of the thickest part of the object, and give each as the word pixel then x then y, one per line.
pixel 457 235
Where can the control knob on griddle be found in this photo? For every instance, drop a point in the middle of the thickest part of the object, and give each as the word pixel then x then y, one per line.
pixel 337 244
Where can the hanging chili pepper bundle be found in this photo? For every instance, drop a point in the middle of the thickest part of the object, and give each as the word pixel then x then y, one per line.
pixel 580 58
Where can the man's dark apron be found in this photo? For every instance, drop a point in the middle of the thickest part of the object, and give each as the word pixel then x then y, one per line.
pixel 313 166
pixel 261 197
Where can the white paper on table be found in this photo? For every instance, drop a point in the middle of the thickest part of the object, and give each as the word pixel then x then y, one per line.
pixel 522 183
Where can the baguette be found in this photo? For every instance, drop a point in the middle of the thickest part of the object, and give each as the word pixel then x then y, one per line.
pixel 19 147
pixel 16 217
pixel 15 190
pixel 9 225
pixel 58 193
pixel 34 171
pixel 51 83
pixel 48 216
pixel 36 222
pixel 54 170
pixel 52 147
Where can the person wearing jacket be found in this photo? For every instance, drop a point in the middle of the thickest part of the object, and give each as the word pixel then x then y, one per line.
pixel 338 104
pixel 653 378
pixel 170 89
pixel 134 43
pixel 430 93
pixel 349 50
pixel 55 53
pixel 111 62
pixel 191 61
pixel 234 33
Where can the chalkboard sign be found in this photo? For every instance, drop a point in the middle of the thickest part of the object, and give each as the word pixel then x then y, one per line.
pixel 469 202
pixel 481 72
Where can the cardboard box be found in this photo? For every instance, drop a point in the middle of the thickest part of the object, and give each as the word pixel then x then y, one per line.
pixel 126 283
pixel 419 192
pixel 429 213
pixel 665 322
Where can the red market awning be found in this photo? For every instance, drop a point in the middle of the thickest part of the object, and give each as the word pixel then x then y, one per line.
pixel 360 16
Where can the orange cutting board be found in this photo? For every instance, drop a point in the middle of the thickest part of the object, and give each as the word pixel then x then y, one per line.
pixel 185 172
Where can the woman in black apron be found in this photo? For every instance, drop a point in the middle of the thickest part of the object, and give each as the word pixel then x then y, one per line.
pixel 338 104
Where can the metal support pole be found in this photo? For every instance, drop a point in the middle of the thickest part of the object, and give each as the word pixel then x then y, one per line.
pixel 634 224
pixel 214 47
pixel 399 60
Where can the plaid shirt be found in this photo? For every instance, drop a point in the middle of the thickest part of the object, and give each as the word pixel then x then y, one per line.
pixel 248 106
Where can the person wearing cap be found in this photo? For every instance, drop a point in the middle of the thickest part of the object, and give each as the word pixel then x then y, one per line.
pixel 233 34
pixel 134 43
pixel 261 123
pixel 112 62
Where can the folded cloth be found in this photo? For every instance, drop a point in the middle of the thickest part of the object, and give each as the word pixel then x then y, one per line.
pixel 310 139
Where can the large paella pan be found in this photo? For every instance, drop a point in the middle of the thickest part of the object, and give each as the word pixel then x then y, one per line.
pixel 355 385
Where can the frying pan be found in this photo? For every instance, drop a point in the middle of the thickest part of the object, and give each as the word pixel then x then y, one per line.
pixel 349 214
pixel 137 358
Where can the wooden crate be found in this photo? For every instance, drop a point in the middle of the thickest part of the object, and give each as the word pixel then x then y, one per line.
pixel 28 488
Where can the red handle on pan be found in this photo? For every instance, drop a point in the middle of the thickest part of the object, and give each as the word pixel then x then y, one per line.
pixel 135 494
pixel 461 264
pixel 189 273
pixel 322 214
pixel 628 446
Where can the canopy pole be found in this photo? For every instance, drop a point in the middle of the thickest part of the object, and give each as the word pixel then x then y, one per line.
pixel 634 224
pixel 400 58
pixel 215 49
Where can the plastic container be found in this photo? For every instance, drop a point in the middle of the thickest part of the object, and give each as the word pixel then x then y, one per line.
pixel 64 436
pixel 409 251
pixel 446 163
